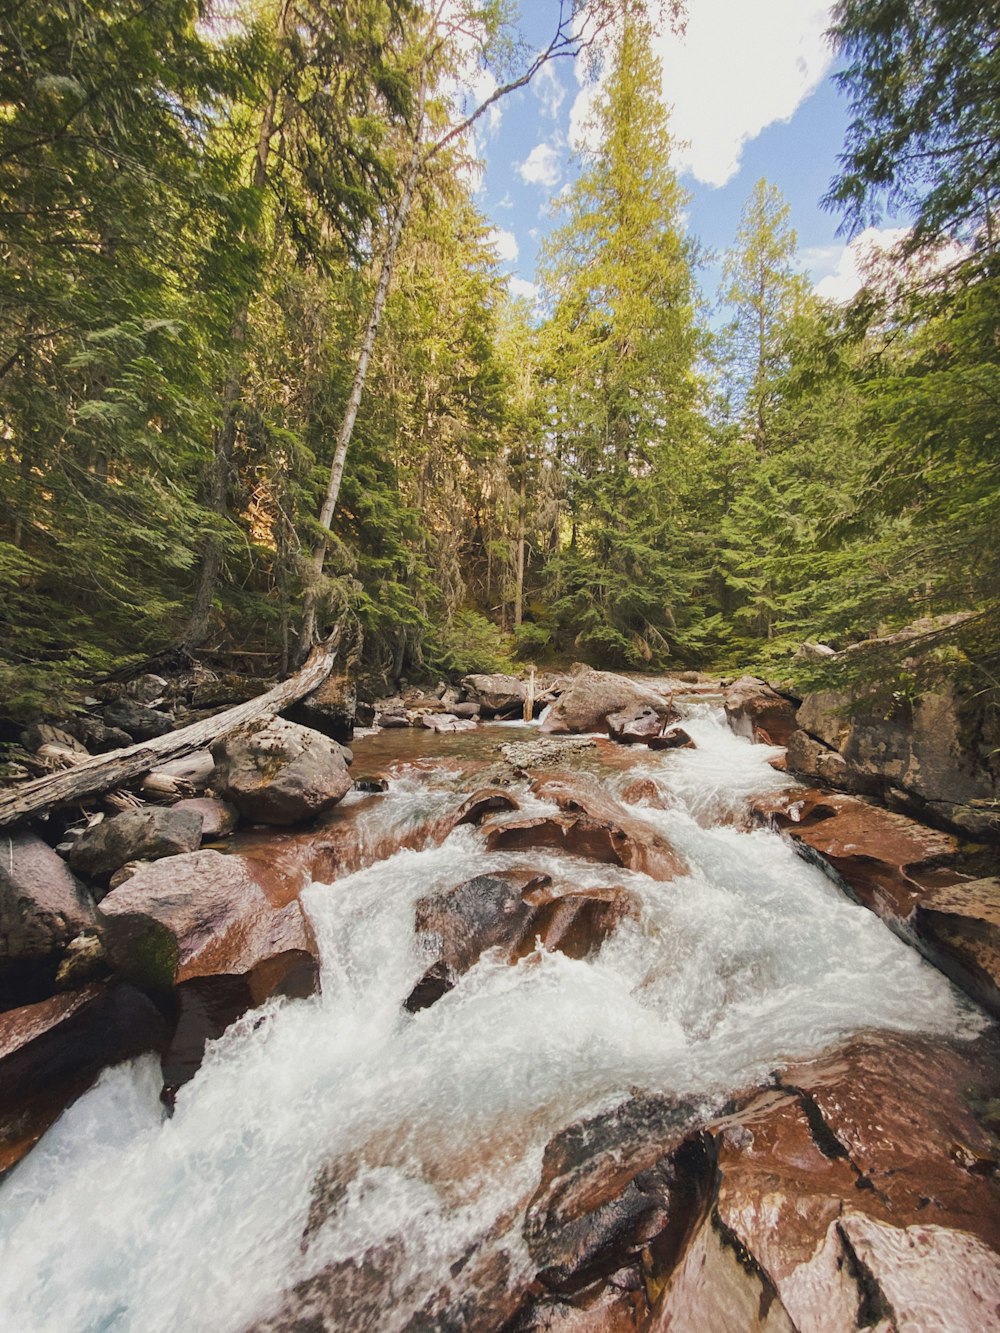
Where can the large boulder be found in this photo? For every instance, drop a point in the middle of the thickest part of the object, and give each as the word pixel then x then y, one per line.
pixel 591 697
pixel 202 914
pixel 135 835
pixel 43 906
pixel 938 754
pixel 635 726
pixel 331 708
pixel 758 711
pixel 279 773
pixel 497 695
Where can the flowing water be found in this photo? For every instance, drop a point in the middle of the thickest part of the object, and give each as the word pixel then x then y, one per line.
pixel 427 1130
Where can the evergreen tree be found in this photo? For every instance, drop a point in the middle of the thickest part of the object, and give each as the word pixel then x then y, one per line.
pixel 622 343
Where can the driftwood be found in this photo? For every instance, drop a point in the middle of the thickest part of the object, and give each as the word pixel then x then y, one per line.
pixel 102 772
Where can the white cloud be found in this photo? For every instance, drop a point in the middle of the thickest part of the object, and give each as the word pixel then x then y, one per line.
pixel 849 267
pixel 521 288
pixel 847 263
pixel 505 243
pixel 548 88
pixel 541 166
pixel 737 68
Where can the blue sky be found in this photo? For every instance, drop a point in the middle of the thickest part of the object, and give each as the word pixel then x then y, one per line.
pixel 751 93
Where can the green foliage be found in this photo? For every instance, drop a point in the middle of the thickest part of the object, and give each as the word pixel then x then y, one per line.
pixel 469 643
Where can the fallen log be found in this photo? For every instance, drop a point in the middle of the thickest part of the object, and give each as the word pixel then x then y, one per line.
pixel 105 771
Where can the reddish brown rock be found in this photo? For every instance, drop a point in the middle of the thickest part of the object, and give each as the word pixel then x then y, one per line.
pixel 591 697
pixel 203 914
pixel 50 1052
pixel 675 738
pixel 280 773
pixel 644 791
pixel 753 707
pixel 512 910
pixel 889 861
pixel 218 818
pixel 594 824
pixel 960 929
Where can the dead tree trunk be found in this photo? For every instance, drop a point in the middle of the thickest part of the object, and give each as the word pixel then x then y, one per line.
pixel 106 771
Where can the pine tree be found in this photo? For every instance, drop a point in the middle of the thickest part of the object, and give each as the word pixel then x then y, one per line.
pixel 622 343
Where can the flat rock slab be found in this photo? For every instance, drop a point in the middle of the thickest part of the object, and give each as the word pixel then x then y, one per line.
pixel 960 924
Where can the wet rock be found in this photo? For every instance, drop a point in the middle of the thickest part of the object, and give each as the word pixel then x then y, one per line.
pixel 97 736
pixel 592 696
pixel 488 800
pixel 959 927
pixel 842 1193
pixel 202 914
pixel 888 860
pixel 512 911
pixel 279 773
pixel 139 721
pixel 50 1052
pixel 330 709
pixel 447 722
pixel 393 720
pixel 635 725
pixel 218 818
pixel 135 835
pixel 674 738
pixel 43 906
pixel 644 791
pixel 497 695
pixel 756 710
pixel 591 824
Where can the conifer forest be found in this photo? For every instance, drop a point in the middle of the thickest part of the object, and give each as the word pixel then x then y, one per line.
pixel 258 371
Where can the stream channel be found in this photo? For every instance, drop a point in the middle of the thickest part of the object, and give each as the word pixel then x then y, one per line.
pixel 343 1133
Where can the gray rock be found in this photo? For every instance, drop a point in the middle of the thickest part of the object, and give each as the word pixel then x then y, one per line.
pixel 147 689
pixel 42 904
pixel 592 696
pixel 97 736
pixel 466 710
pixel 141 723
pixel 498 695
pixel 37 734
pixel 280 773
pixel 136 835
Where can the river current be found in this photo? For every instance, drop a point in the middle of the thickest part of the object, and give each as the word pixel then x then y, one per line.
pixel 428 1129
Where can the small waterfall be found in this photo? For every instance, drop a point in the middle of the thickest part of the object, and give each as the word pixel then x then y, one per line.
pixel 343 1130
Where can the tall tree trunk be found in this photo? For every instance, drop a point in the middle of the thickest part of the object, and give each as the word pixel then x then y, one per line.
pixel 360 378
pixel 519 572
pixel 210 565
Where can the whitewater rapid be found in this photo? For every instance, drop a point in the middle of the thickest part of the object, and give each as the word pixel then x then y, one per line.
pixel 427 1130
